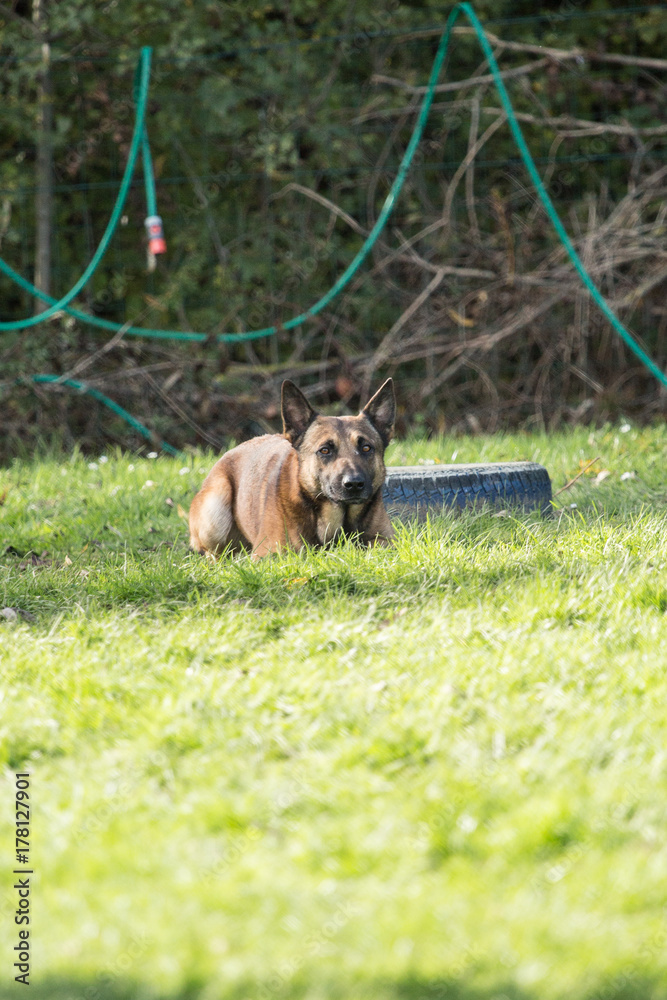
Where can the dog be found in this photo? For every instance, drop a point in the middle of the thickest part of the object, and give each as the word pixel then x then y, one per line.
pixel 319 479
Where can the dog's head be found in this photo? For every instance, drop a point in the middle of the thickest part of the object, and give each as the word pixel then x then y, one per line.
pixel 340 458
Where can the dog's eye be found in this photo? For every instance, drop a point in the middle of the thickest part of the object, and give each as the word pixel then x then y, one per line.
pixel 366 447
pixel 326 449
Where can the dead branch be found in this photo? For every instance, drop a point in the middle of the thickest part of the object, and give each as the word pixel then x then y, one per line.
pixel 321 200
pixel 470 171
pixel 85 363
pixel 473 81
pixel 179 411
pixel 577 477
pixel 575 128
pixel 567 54
pixel 462 168
pixel 385 349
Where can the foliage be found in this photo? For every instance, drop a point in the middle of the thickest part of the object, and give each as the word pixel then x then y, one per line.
pixel 431 770
pixel 249 98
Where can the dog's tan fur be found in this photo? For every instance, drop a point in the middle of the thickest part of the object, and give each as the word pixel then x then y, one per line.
pixel 321 477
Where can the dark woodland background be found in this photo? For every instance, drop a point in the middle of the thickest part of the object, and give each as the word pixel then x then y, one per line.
pixel 276 131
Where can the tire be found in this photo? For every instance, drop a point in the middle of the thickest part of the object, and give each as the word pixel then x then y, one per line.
pixel 421 490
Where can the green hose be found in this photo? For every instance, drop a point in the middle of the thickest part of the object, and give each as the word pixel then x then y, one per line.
pixel 268 331
pixel 600 302
pixel 109 403
pixel 355 264
pixel 143 76
pixel 140 138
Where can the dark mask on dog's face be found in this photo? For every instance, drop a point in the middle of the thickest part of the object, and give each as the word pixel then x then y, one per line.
pixel 340 458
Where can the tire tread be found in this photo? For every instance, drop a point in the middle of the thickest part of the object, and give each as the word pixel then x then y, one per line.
pixel 410 490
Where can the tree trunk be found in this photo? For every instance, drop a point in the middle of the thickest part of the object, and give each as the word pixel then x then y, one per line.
pixel 44 160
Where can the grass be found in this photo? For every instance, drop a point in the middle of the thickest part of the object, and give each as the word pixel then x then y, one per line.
pixel 436 770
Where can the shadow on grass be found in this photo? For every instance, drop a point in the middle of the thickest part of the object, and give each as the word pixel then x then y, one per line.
pixel 107 987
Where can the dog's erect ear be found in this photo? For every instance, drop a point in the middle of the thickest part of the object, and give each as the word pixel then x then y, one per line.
pixel 297 412
pixel 381 411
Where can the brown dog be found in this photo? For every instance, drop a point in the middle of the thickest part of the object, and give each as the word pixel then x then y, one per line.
pixel 321 477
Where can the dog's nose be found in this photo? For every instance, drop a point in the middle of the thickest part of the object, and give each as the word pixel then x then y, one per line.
pixel 353 485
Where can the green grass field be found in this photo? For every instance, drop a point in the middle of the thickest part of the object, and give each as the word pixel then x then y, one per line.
pixel 432 771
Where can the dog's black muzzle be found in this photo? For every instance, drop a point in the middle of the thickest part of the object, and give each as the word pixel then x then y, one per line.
pixel 353 487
